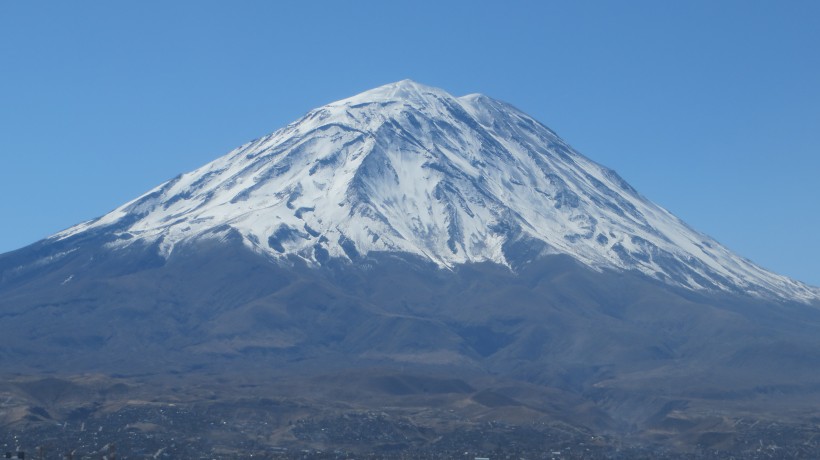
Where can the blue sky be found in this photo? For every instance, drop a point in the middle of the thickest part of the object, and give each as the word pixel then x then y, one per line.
pixel 709 108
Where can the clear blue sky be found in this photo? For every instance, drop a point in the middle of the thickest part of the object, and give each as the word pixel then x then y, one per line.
pixel 710 108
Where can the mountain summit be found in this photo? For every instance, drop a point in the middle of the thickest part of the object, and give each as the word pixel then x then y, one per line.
pixel 411 169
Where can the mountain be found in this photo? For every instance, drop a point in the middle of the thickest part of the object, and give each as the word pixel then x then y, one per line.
pixel 438 251
pixel 406 168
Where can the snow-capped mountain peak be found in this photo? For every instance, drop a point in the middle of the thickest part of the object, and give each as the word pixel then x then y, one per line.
pixel 404 91
pixel 408 168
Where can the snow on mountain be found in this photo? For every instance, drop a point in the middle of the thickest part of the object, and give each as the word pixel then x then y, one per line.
pixel 409 168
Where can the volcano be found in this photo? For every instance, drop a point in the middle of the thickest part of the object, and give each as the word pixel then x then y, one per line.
pixel 408 230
